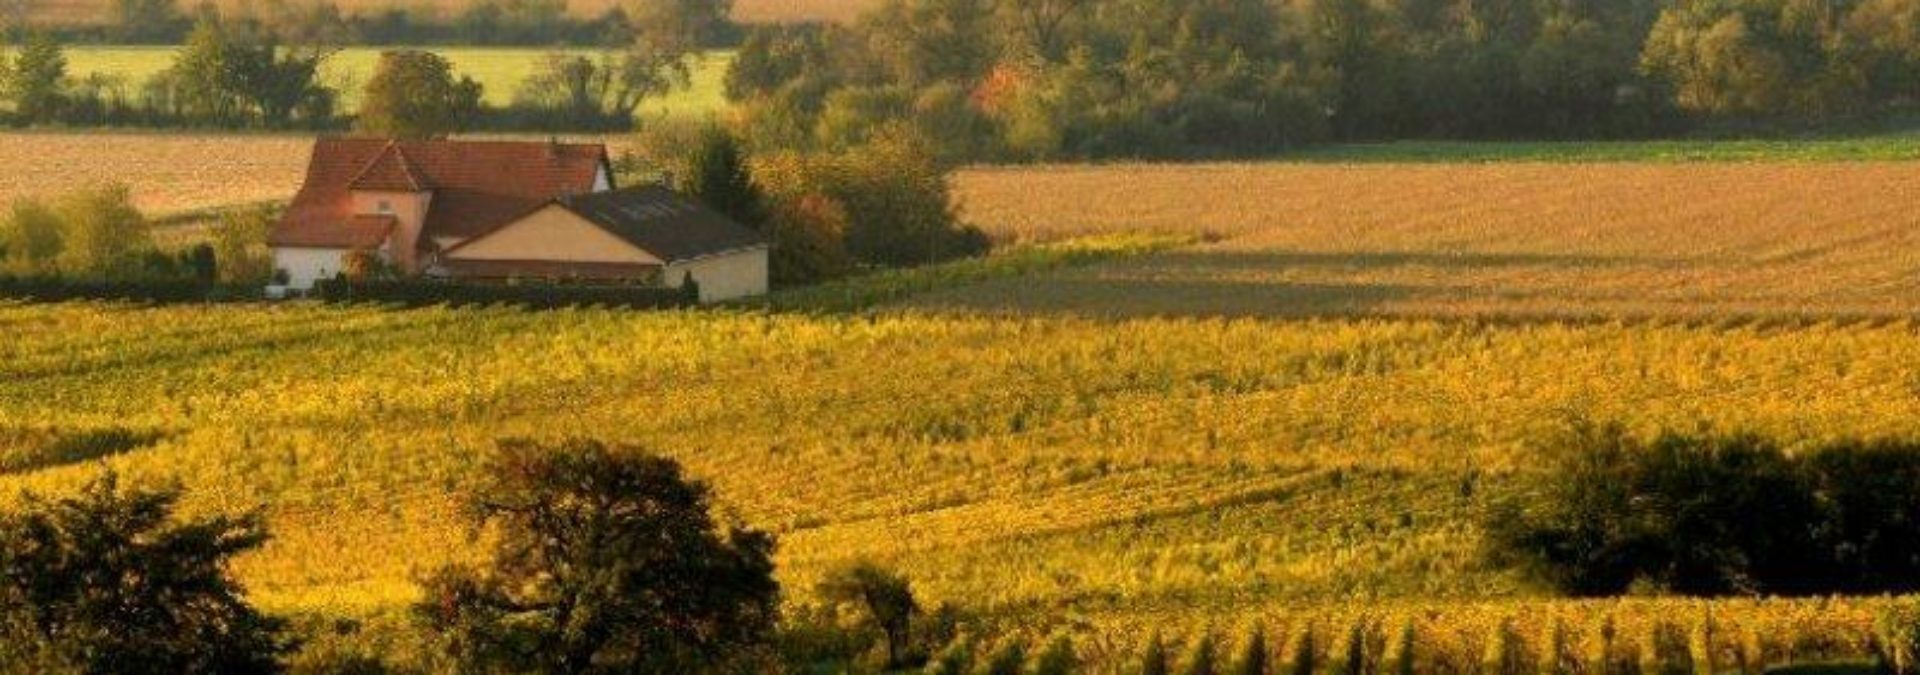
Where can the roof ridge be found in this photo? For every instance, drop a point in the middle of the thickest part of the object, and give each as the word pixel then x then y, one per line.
pixel 405 165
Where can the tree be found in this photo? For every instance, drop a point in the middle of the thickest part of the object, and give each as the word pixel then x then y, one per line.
pixel 30 238
pixel 104 235
pixel 36 81
pixel 600 92
pixel 1697 516
pixel 240 246
pixel 145 21
pixel 1764 58
pixel 414 95
pixel 882 596
pixel 200 80
pixel 720 178
pixel 809 234
pixel 606 559
pixel 108 582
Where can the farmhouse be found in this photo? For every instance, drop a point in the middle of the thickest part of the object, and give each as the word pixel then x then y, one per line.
pixel 488 211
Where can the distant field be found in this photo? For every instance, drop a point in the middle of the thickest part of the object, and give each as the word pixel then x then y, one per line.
pixel 1608 239
pixel 88 12
pixel 500 70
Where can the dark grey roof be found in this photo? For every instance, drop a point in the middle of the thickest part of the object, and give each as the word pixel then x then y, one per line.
pixel 665 223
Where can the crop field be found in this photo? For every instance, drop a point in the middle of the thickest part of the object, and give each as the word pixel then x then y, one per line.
pixel 1275 392
pixel 91 12
pixel 1172 470
pixel 499 70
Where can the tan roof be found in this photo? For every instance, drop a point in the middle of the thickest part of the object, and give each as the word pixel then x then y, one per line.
pixel 477 185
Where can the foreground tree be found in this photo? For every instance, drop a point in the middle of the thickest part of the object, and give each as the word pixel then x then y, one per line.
pixel 414 95
pixel 108 582
pixel 606 560
pixel 882 596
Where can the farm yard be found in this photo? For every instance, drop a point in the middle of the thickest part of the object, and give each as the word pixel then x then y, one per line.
pixel 1295 417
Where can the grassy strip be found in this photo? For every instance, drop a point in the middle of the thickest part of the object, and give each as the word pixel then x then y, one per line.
pixel 866 291
pixel 1882 147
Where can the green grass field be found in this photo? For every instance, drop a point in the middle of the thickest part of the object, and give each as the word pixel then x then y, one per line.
pixel 500 70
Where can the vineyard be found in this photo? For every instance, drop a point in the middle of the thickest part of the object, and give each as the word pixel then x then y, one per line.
pixel 1188 470
pixel 1197 400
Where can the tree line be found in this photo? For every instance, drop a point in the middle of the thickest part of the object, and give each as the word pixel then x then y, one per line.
pixel 1064 79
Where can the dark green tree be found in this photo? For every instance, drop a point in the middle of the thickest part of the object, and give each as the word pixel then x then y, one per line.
pixel 36 81
pixel 414 95
pixel 721 179
pixel 606 560
pixel 108 581
pixel 882 596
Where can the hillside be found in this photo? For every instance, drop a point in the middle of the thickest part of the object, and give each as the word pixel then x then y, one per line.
pixel 1307 406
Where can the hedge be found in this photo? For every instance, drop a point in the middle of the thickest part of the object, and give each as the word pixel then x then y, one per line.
pixel 419 293
pixel 57 289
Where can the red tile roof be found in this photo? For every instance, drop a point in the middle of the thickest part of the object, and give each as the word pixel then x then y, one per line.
pixel 477 185
pixel 353 232
pixel 392 172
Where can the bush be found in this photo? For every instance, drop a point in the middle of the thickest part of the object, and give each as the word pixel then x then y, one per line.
pixel 605 560
pixel 882 596
pixel 1714 516
pixel 60 289
pixel 106 582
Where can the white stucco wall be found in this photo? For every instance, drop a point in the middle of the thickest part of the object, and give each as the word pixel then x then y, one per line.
pixel 307 265
pixel 728 276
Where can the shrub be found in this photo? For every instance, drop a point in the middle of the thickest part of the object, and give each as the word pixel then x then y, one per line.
pixel 605 558
pixel 1711 516
pixel 882 596
pixel 103 234
pixel 106 581
pixel 1871 495
pixel 1689 515
pixel 240 248
pixel 30 238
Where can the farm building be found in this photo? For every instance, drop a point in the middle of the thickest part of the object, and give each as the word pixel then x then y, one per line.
pixel 486 211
